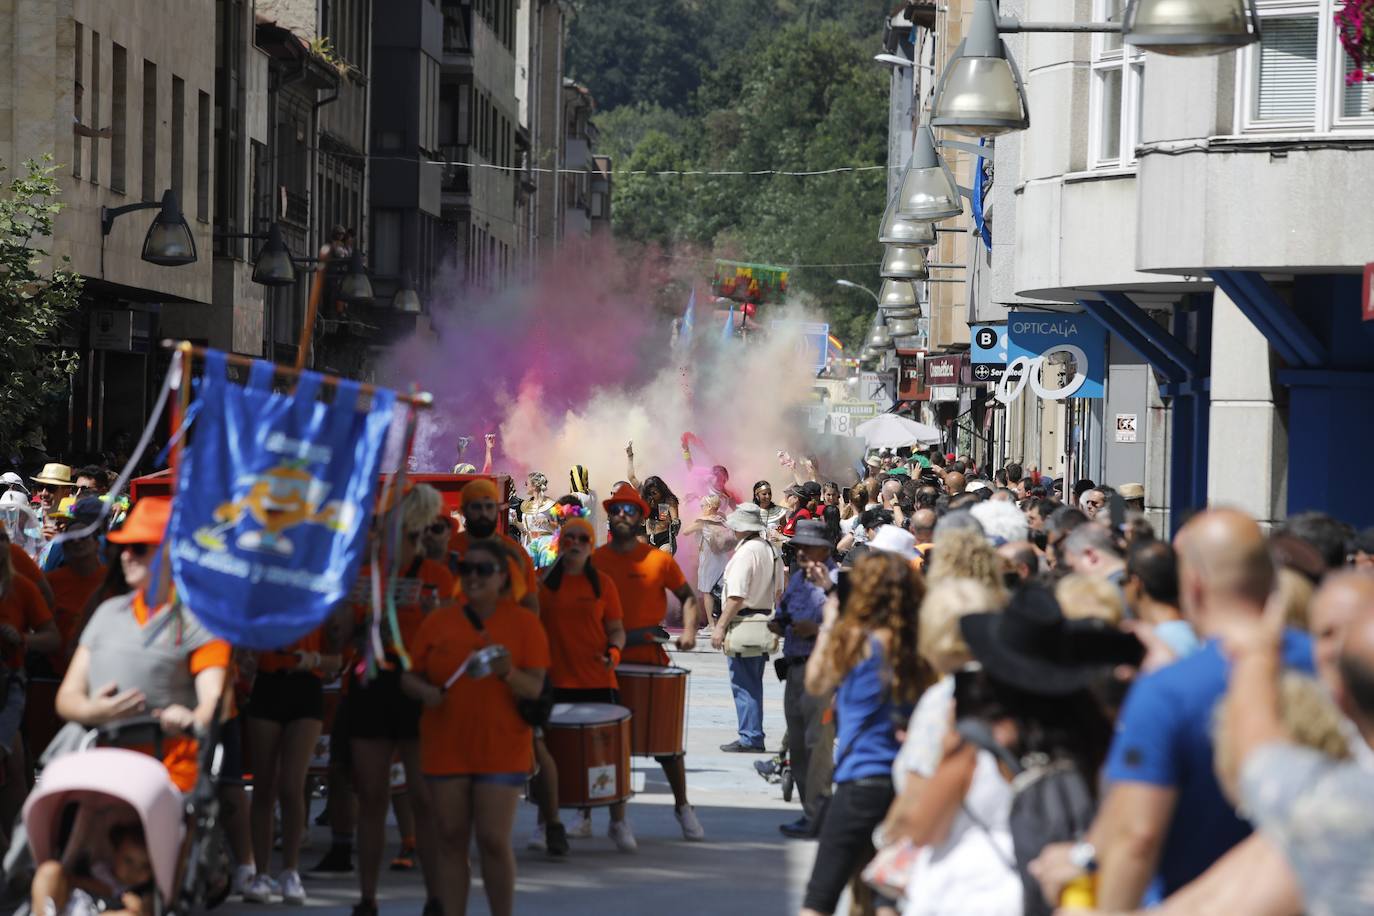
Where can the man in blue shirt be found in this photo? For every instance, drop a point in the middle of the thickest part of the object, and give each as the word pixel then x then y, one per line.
pixel 798 620
pixel 1164 815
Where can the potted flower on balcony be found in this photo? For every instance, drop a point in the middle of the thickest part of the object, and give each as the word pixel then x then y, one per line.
pixel 1355 26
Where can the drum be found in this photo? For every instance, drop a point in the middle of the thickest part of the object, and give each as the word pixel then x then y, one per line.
pixel 658 698
pixel 590 742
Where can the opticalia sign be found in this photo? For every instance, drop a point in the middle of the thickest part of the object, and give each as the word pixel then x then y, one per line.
pixel 1038 342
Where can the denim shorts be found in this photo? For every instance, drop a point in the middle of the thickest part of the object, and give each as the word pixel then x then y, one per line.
pixel 514 780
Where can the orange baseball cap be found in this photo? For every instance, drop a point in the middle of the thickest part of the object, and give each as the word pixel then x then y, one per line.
pixel 146 524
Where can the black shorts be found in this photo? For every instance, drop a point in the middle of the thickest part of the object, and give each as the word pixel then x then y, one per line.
pixel 286 696
pixel 231 764
pixel 586 695
pixel 379 710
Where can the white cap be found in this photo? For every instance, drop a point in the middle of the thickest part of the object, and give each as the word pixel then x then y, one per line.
pixel 891 539
pixel 975 485
pixel 14 480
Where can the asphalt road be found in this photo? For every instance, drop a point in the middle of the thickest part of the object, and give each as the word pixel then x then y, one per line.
pixel 745 866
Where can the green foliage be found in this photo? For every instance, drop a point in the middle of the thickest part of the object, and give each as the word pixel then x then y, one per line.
pixel 789 97
pixel 35 302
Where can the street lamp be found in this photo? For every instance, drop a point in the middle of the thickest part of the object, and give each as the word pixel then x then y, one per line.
pixel 169 242
pixel 904 262
pixel 356 288
pixel 898 230
pixel 406 299
pixel 903 327
pixel 273 266
pixel 1190 28
pixel 981 92
pixel 852 285
pixel 928 191
pixel 880 339
pixel 897 294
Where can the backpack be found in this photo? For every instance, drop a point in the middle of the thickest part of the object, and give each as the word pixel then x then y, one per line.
pixel 1051 803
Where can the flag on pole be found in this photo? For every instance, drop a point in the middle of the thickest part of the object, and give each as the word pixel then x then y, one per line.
pixel 727 331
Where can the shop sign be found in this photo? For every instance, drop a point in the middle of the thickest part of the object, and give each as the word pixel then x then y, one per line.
pixel 987 353
pixel 910 378
pixel 1126 427
pixel 845 417
pixel 943 370
pixel 1034 339
pixel 944 393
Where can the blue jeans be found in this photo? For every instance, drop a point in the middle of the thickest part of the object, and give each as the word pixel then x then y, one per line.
pixel 746 683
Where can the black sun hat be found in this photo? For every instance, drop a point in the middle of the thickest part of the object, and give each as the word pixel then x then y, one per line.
pixel 1033 647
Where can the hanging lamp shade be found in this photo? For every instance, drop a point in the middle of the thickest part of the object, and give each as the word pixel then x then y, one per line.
pixel 904 262
pixel 981 93
pixel 898 230
pixel 880 339
pixel 169 242
pixel 897 294
pixel 869 354
pixel 903 327
pixel 928 191
pixel 890 315
pixel 273 266
pixel 356 288
pixel 1190 28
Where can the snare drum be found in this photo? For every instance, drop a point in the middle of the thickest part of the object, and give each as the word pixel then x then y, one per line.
pixel 590 742
pixel 658 698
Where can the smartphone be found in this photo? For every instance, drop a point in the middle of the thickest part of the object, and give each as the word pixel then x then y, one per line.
pixel 664 510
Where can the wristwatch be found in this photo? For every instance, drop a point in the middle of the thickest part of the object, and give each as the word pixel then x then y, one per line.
pixel 1083 855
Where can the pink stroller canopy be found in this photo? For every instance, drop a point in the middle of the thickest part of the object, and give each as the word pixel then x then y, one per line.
pixel 110 773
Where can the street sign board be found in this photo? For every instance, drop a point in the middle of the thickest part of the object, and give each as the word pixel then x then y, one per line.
pixel 988 373
pixel 1126 427
pixel 988 344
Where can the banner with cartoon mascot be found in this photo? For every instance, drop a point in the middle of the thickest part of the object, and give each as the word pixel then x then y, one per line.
pixel 274 495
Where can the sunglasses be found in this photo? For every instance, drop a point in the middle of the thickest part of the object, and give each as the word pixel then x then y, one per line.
pixel 626 509
pixel 575 539
pixel 438 528
pixel 139 550
pixel 480 570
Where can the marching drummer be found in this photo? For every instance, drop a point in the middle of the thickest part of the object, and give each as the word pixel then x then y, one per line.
pixel 581 612
pixel 643 576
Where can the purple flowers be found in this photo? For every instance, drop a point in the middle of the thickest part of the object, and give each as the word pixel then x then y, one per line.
pixel 1355 26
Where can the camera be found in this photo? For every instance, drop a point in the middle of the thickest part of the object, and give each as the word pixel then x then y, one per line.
pixel 483 661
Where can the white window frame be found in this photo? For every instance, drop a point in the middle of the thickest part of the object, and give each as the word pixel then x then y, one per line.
pixel 1130 61
pixel 1331 59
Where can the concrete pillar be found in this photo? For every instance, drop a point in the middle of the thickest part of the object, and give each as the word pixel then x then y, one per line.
pixel 1248 459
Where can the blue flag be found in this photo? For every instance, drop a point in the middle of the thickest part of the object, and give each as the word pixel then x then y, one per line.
pixel 689 320
pixel 270 521
pixel 728 331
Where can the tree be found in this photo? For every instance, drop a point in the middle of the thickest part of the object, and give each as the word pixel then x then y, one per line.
pixel 35 301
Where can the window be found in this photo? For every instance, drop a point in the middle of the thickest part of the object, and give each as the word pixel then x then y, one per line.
pixel 178 136
pixel 95 106
pixel 149 175
pixel 1294 79
pixel 78 100
pixel 203 156
pixel 119 112
pixel 1118 75
pixel 386 243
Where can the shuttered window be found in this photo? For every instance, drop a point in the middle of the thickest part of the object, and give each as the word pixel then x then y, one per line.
pixel 1288 73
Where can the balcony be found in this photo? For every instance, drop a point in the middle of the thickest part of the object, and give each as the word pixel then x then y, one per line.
pixel 457 36
pixel 578 153
pixel 456 179
pixel 297 211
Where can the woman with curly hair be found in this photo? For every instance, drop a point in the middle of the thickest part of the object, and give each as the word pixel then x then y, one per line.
pixel 964 554
pixel 868 655
pixel 537 523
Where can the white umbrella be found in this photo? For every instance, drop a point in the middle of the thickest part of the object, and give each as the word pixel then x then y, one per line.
pixel 892 431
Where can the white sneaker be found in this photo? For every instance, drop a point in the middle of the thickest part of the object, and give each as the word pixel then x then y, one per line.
pixel 273 884
pixel 536 840
pixel 259 890
pixel 292 891
pixel 691 827
pixel 582 830
pixel 243 876
pixel 623 836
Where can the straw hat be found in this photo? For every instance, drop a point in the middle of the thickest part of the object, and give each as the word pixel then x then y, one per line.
pixel 54 475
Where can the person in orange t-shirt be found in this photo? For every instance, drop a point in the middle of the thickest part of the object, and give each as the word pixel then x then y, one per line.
pixel 476 748
pixel 481 507
pixel 133 658
pixel 644 576
pixel 384 722
pixel 25 623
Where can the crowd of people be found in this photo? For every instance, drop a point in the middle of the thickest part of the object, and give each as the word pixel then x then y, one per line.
pixel 1003 693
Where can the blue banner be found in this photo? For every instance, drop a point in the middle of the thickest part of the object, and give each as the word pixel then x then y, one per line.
pixel 1034 334
pixel 274 495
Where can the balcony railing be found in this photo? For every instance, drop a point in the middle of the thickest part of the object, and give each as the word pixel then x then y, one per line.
pixel 455 178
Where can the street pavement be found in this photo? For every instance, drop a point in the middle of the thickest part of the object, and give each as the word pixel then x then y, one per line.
pixel 745 866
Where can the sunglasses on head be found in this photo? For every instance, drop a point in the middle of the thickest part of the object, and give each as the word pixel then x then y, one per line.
pixel 482 570
pixel 623 509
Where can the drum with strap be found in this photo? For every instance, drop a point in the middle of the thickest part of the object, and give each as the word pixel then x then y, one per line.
pixel 658 698
pixel 590 742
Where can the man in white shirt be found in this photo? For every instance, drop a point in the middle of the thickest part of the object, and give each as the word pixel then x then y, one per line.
pixel 752 586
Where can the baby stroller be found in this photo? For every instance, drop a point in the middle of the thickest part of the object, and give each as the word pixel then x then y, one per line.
pixel 189 860
pixel 778 769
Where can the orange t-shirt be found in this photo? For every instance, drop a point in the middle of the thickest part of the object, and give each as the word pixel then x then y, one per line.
pixel 180 752
pixel 286 659
pixel 477 729
pixel 24 565
pixel 575 619
pixel 72 592
pixel 23 608
pixel 529 580
pixel 644 576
